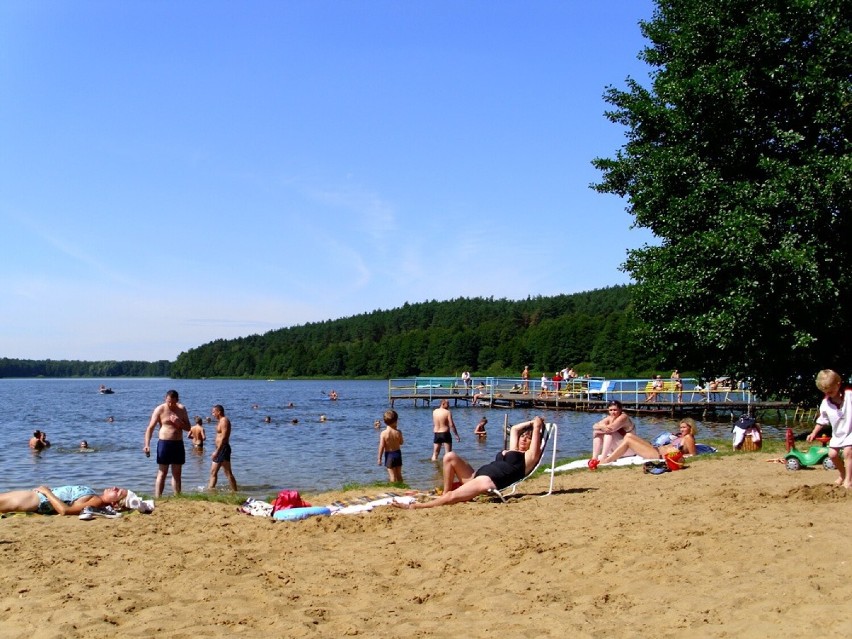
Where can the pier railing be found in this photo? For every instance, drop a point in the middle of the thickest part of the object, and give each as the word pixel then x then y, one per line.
pixel 630 392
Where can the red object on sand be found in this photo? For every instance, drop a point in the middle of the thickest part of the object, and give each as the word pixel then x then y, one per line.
pixel 593 463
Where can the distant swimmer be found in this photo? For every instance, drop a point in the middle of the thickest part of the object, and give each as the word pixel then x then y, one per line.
pixel 322 418
pixel 267 420
pixel 84 447
pixel 332 395
pixel 110 419
pixel 294 421
pixel 479 431
pixel 39 440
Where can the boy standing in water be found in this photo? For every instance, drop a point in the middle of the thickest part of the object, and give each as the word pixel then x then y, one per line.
pixel 390 441
pixel 836 411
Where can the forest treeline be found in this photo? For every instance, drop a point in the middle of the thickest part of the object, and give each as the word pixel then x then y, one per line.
pixel 593 331
pixel 75 368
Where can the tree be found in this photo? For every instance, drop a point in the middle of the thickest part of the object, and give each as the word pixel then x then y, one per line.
pixel 738 159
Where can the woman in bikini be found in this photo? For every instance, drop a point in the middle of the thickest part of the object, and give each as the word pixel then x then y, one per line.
pixel 462 483
pixel 684 442
pixel 64 500
pixel 609 433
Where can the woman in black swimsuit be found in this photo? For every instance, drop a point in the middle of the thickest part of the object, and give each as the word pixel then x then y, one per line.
pixel 462 483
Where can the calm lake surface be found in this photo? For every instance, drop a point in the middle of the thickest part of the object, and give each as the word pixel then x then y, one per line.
pixel 308 456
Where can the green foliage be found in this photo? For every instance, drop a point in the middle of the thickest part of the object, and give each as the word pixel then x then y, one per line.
pixel 485 336
pixel 76 368
pixel 738 159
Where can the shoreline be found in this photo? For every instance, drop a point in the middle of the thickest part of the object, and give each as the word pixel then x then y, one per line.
pixel 730 546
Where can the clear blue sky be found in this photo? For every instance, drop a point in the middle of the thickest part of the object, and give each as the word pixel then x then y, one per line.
pixel 177 172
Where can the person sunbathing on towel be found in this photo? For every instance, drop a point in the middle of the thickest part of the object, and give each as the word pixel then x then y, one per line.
pixel 63 500
pixel 508 467
pixel 684 442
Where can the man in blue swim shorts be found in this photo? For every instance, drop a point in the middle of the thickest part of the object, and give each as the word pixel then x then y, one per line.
pixel 172 418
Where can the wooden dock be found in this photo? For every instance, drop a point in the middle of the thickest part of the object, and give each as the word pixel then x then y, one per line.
pixel 505 394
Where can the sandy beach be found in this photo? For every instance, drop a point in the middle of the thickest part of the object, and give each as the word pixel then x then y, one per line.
pixel 729 547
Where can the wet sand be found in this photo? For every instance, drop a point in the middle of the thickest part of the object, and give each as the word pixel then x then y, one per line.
pixel 729 547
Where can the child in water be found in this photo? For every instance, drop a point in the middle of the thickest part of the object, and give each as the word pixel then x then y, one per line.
pixel 390 441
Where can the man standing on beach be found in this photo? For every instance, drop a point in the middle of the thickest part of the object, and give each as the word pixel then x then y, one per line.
pixel 222 455
pixel 172 418
pixel 442 422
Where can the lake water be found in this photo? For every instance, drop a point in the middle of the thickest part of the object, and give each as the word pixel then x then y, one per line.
pixel 309 456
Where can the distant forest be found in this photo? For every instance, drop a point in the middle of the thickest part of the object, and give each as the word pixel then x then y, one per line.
pixel 595 332
pixel 75 368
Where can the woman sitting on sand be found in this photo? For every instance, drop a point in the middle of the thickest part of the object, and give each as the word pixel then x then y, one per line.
pixel 684 442
pixel 609 433
pixel 508 467
pixel 64 500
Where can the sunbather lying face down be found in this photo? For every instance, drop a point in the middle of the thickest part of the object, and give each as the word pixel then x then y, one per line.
pixel 510 466
pixel 63 500
pixel 684 442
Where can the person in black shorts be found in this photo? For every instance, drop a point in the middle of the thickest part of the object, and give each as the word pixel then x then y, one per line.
pixel 221 457
pixel 172 418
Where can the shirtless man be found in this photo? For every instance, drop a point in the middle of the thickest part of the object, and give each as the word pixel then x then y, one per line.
pixel 442 422
pixel 172 418
pixel 197 435
pixel 222 455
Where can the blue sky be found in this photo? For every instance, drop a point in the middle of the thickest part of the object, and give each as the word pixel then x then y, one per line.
pixel 177 172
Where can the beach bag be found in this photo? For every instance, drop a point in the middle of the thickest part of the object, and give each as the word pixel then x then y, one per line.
pixel 674 460
pixel 747 435
pixel 288 499
pixel 662 439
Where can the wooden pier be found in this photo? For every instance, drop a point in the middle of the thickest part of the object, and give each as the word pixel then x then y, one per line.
pixel 501 393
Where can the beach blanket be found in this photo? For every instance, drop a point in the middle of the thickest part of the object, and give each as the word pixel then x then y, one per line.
pixel 354 506
pixel 632 460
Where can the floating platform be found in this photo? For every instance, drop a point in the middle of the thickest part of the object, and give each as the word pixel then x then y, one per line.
pixel 582 395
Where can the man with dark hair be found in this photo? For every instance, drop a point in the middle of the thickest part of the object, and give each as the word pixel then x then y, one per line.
pixel 172 418
pixel 222 455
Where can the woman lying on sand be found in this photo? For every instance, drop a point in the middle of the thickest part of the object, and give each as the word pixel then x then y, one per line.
pixel 64 500
pixel 684 442
pixel 508 467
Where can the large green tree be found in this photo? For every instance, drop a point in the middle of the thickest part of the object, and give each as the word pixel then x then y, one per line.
pixel 737 158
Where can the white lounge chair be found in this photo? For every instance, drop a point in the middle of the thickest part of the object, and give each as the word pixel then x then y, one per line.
pixel 550 433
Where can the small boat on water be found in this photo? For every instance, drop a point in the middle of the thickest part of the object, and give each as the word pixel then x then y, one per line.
pixel 104 390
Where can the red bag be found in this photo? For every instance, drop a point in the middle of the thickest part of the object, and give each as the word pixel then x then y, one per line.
pixel 288 499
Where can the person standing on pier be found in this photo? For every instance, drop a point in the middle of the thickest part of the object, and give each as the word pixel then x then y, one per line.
pixel 525 375
pixel 442 422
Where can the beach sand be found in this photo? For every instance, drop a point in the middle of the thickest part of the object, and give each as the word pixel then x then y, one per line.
pixel 729 547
